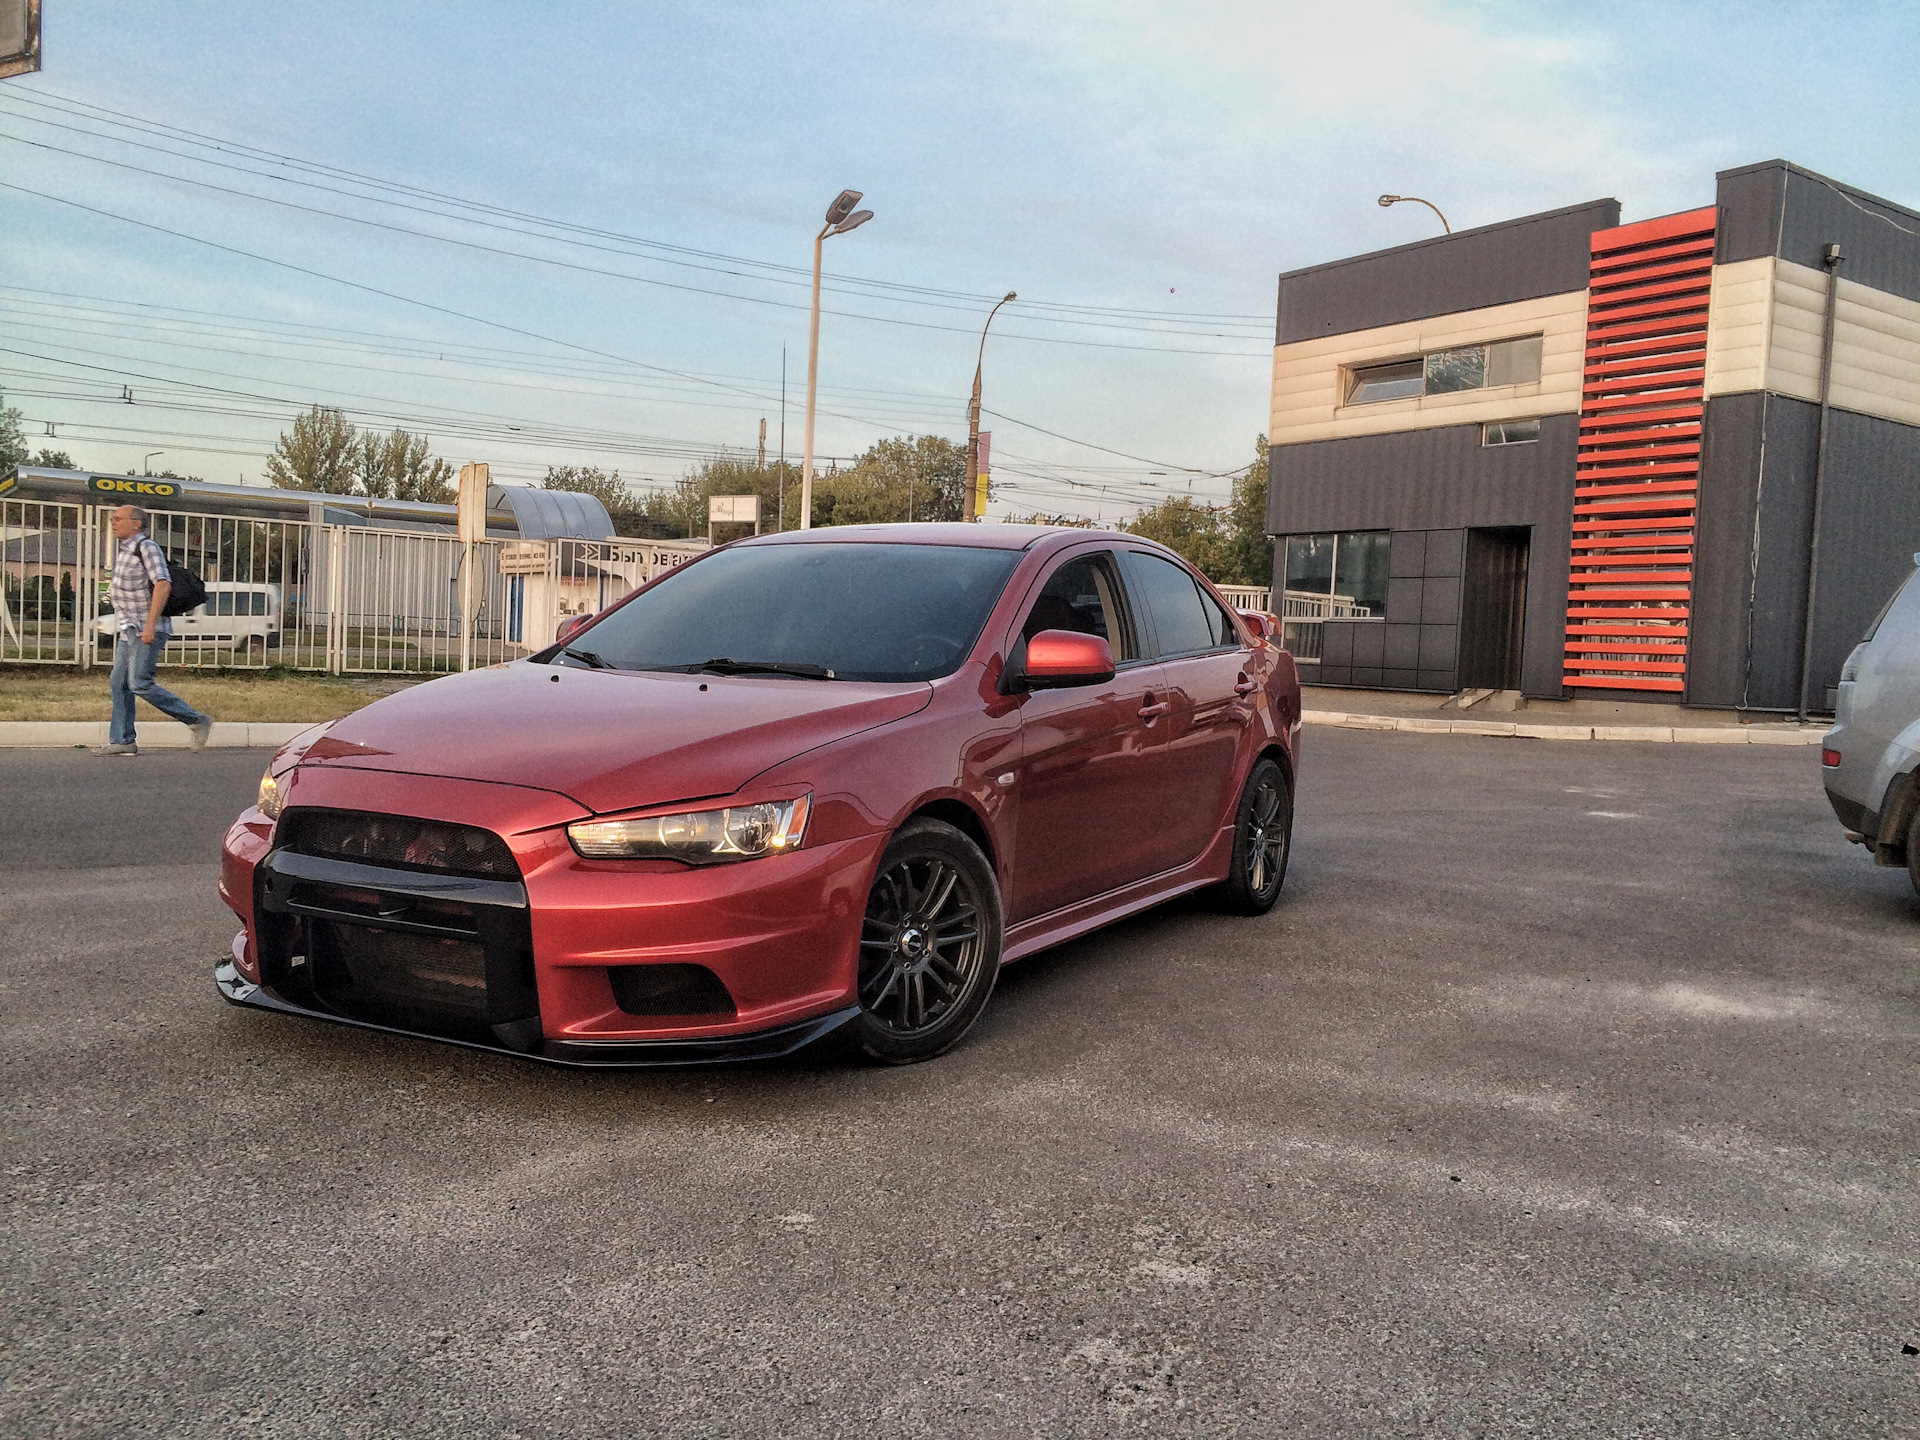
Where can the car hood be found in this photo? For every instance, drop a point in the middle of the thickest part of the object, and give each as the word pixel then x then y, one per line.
pixel 609 740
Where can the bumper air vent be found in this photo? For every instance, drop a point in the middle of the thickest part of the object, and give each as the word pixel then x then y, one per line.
pixel 669 990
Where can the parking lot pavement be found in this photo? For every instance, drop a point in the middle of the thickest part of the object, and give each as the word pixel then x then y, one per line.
pixel 1570 1091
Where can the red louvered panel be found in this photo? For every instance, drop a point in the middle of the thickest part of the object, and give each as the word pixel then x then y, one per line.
pixel 1630 586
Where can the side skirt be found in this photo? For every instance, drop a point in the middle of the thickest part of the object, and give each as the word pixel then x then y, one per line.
pixel 1057 927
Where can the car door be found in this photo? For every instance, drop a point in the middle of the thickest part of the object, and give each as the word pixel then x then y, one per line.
pixel 1210 692
pixel 1086 791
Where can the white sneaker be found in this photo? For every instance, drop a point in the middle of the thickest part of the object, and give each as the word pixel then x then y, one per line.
pixel 199 731
pixel 126 749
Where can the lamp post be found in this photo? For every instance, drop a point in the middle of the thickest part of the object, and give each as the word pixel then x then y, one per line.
pixel 147 464
pixel 841 217
pixel 1387 200
pixel 969 511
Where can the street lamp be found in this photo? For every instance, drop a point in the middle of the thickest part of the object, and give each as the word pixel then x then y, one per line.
pixel 841 217
pixel 968 511
pixel 147 464
pixel 1386 200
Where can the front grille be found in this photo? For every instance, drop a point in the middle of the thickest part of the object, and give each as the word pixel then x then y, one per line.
pixel 415 947
pixel 399 841
pixel 415 982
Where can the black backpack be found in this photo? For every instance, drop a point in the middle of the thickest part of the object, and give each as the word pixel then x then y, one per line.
pixel 187 590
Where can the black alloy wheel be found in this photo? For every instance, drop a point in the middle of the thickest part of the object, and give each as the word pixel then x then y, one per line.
pixel 1262 836
pixel 929 944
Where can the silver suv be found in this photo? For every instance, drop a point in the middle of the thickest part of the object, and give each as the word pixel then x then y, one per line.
pixel 1870 755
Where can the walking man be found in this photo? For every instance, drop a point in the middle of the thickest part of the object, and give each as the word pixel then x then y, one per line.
pixel 139 595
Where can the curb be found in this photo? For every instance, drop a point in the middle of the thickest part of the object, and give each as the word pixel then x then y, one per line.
pixel 1655 734
pixel 155 733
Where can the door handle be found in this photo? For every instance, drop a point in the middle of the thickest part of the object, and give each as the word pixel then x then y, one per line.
pixel 1244 686
pixel 1152 707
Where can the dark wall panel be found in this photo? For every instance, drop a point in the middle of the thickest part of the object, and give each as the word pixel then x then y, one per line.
pixel 1494 265
pixel 1775 208
pixel 1445 480
pixel 1869 531
pixel 1723 551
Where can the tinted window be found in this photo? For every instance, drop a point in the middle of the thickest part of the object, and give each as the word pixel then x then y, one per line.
pixel 259 602
pixel 1180 621
pixel 865 612
pixel 1081 596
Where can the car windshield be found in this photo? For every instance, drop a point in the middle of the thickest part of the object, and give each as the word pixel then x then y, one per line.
pixel 845 611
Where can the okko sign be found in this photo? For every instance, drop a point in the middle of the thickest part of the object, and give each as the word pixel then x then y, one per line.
pixel 125 488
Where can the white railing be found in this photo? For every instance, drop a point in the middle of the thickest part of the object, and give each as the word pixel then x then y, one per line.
pixel 344 599
pixel 1246 597
pixel 1302 614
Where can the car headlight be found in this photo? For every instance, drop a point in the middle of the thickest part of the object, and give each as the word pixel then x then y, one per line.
pixel 269 800
pixel 699 837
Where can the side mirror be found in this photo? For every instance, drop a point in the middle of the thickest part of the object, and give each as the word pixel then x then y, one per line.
pixel 1056 659
pixel 569 627
pixel 1261 624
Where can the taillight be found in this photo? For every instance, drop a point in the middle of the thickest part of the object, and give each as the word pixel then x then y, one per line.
pixel 1830 758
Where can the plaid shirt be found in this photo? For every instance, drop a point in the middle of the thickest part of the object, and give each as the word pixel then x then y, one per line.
pixel 137 568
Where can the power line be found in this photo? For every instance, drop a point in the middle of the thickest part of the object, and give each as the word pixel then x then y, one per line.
pixel 599 270
pixel 143 125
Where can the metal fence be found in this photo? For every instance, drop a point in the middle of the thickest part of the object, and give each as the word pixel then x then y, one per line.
pixel 1303 612
pixel 335 598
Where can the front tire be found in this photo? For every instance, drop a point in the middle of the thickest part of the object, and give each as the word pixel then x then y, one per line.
pixel 1262 839
pixel 929 944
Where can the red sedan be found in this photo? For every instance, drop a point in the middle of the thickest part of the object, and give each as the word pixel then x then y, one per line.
pixel 816 780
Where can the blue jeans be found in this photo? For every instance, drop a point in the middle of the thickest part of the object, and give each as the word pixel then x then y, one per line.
pixel 133 662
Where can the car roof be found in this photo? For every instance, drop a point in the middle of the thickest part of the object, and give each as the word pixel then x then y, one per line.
pixel 978 537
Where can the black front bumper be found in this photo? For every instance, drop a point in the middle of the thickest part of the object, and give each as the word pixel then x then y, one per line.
pixel 642 1055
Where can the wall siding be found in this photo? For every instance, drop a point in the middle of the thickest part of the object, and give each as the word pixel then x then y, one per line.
pixel 1443 479
pixel 1522 259
pixel 1309 375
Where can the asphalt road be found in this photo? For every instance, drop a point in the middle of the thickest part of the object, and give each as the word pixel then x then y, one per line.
pixel 1569 1091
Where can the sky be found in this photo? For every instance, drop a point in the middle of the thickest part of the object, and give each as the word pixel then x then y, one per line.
pixel 581 234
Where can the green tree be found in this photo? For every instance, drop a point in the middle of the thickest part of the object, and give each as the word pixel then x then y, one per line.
pixel 1186 526
pixel 1231 545
pixel 13 444
pixel 611 490
pixel 53 460
pixel 398 467
pixel 318 454
pixel 1247 552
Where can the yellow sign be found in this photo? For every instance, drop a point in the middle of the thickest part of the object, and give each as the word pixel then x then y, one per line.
pixel 7 482
pixel 129 487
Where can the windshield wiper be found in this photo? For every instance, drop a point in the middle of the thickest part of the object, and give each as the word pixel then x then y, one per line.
pixel 587 658
pixel 723 666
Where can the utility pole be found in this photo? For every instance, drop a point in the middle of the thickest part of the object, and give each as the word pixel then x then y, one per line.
pixel 783 437
pixel 762 464
pixel 970 508
pixel 841 217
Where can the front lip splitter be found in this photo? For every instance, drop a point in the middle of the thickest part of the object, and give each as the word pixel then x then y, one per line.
pixel 773 1044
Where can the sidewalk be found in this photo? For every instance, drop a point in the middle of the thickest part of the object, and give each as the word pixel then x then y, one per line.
pixel 1385 710
pixel 1422 714
pixel 155 732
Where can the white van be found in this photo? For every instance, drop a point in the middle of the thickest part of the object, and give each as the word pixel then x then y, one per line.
pixel 239 613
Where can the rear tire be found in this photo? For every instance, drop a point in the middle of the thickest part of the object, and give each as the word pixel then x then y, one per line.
pixel 1262 840
pixel 929 944
pixel 1913 851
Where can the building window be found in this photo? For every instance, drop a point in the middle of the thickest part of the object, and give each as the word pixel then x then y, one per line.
pixel 1510 432
pixel 1341 576
pixel 1448 372
pixel 1397 381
